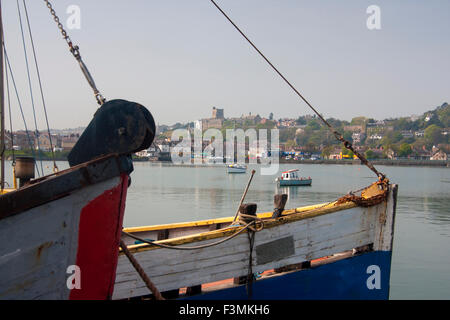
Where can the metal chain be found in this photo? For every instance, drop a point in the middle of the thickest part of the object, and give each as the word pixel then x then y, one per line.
pixel 75 50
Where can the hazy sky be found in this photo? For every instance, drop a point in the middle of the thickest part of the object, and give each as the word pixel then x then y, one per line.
pixel 181 58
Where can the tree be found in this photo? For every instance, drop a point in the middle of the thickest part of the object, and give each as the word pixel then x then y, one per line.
pixel 291 144
pixel 271 116
pixel 370 154
pixel 327 151
pixel 348 136
pixel 347 152
pixel 404 150
pixel 433 135
pixel 358 121
pixel 313 125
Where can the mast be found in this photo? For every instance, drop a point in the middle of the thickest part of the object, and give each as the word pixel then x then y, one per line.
pixel 2 108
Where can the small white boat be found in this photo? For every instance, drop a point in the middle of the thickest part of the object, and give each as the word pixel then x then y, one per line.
pixel 291 178
pixel 236 168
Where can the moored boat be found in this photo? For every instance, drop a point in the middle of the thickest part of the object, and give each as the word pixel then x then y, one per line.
pixel 291 178
pixel 337 250
pixel 236 168
pixel 341 249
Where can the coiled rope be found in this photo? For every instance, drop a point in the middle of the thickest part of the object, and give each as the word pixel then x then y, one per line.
pixel 255 225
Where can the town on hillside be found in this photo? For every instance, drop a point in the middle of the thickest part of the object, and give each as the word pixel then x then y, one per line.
pixel 416 137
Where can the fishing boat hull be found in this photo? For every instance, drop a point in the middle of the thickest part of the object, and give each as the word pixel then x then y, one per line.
pixel 338 250
pixel 60 234
pixel 288 183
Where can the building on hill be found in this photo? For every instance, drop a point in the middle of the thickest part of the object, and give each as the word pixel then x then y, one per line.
pixel 216 121
pixel 355 128
pixel 217 113
pixel 439 155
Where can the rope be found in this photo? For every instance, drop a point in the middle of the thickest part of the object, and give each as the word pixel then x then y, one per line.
pixel 250 276
pixel 20 105
pixel 30 86
pixel 337 135
pixel 10 117
pixel 153 289
pixel 247 226
pixel 55 167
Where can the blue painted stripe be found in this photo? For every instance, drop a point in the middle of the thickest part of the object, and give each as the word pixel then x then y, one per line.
pixel 342 280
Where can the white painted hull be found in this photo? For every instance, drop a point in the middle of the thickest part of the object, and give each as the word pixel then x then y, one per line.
pixel 41 245
pixel 236 169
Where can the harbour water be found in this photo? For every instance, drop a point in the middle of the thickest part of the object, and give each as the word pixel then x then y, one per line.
pixel 163 193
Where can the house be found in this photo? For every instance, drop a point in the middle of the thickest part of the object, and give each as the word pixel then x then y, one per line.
pixel 46 142
pixel 68 142
pixel 407 134
pixel 356 128
pixel 375 137
pixel 391 154
pixel 438 154
pixel 357 137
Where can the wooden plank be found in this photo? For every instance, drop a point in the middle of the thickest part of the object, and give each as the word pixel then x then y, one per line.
pixel 313 238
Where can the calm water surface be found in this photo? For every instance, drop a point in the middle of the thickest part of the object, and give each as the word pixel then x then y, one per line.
pixel 163 193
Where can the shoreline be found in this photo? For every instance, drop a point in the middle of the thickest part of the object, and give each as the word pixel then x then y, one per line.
pixel 381 162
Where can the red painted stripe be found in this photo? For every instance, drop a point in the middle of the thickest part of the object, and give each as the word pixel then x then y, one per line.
pixel 98 242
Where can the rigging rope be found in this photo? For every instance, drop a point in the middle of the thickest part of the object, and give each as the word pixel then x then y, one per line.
pixel 20 106
pixel 30 87
pixel 337 135
pixel 75 50
pixel 55 167
pixel 10 116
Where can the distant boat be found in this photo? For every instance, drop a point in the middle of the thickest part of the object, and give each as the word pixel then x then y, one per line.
pixel 236 168
pixel 291 178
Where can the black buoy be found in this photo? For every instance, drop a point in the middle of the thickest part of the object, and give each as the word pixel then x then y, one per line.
pixel 24 169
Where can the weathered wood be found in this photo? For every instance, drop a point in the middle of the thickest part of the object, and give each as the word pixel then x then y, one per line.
pixel 279 201
pixel 247 209
pixel 34 265
pixel 313 238
pixel 163 234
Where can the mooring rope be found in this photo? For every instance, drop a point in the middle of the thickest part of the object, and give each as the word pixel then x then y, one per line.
pixel 174 247
pixel 150 285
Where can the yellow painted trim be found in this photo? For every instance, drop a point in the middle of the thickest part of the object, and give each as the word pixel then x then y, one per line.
pixel 288 216
pixel 200 223
pixel 6 190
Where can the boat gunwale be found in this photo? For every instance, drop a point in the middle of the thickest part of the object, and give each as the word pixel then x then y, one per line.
pixel 39 191
pixel 288 216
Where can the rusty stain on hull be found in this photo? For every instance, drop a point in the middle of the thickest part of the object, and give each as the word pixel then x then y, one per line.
pixel 41 248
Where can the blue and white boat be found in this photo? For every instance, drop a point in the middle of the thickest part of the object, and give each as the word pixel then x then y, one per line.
pixel 291 178
pixel 336 250
pixel 236 168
